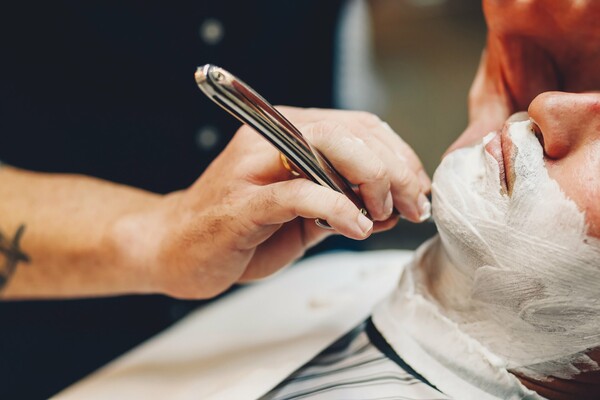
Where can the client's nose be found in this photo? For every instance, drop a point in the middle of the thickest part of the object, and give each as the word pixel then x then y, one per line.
pixel 566 120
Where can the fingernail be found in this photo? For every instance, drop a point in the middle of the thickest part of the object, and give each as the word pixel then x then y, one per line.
pixel 388 205
pixel 424 207
pixel 424 181
pixel 364 223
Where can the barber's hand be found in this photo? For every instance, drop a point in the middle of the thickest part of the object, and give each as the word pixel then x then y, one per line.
pixel 533 46
pixel 246 217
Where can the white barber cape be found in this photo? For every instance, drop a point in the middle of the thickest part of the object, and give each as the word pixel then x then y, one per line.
pixel 243 345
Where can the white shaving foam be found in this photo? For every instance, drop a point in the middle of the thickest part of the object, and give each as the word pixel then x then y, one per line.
pixel 514 280
pixel 435 346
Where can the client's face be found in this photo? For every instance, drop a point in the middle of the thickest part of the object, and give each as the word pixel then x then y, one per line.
pixel 520 221
pixel 568 126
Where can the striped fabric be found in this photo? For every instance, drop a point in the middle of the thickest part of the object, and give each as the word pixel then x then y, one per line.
pixel 353 368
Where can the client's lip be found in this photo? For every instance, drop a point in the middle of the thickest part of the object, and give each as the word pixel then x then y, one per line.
pixel 495 147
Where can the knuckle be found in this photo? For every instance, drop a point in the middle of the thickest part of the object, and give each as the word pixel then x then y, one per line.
pixel 368 119
pixel 334 129
pixel 340 204
pixel 317 131
pixel 326 134
pixel 381 173
pixel 400 141
pixel 403 176
pixel 300 193
pixel 378 173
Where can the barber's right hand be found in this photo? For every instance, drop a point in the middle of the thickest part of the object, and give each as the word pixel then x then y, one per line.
pixel 246 217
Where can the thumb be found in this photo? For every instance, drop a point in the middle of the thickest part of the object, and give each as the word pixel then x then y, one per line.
pixel 280 202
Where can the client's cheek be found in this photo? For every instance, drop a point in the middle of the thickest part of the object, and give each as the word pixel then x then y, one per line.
pixel 581 185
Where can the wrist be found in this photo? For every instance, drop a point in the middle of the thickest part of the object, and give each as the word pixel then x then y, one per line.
pixel 132 242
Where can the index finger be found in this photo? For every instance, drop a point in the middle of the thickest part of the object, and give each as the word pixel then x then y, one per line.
pixel 366 125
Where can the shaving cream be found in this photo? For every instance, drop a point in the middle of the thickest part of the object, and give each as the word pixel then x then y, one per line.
pixel 511 284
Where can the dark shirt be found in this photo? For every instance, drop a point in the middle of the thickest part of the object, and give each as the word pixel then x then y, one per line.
pixel 106 88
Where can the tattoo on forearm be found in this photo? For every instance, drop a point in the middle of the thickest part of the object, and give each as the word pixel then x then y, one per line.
pixel 12 253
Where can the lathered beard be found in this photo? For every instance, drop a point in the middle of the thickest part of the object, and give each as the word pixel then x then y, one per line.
pixel 520 275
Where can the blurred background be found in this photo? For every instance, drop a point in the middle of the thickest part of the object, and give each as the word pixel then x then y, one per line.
pixel 425 54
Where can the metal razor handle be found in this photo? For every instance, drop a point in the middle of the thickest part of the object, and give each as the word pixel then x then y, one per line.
pixel 241 101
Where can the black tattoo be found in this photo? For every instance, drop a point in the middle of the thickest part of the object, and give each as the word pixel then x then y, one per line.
pixel 12 255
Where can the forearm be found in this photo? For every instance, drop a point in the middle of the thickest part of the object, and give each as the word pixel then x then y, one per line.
pixel 243 219
pixel 67 221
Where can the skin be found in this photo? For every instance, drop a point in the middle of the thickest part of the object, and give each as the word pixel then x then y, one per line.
pixel 543 56
pixel 533 46
pixel 243 219
pixel 569 125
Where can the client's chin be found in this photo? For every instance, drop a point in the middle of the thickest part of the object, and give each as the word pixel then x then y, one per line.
pixel 511 284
